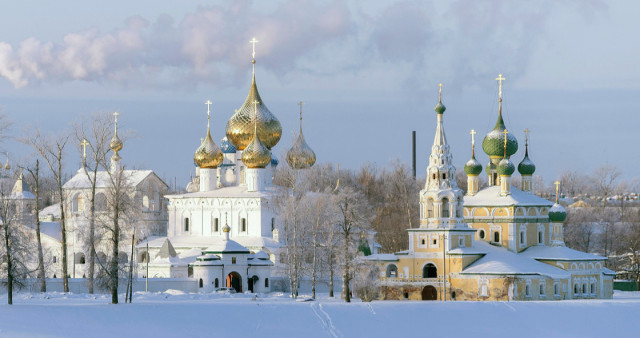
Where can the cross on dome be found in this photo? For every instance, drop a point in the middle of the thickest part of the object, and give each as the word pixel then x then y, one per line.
pixel 500 78
pixel 473 137
pixel 253 43
pixel 84 145
pixel 526 137
pixel 505 132
pixel 208 103
pixel 557 184
pixel 439 91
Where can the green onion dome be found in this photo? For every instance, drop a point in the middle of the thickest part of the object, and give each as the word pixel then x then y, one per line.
pixel 557 213
pixel 473 167
pixel 506 167
pixel 440 108
pixel 526 167
pixel 493 143
pixel 490 167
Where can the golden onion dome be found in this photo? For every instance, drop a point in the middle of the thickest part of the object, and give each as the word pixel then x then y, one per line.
pixel 208 155
pixel 240 126
pixel 116 143
pixel 256 154
pixel 301 156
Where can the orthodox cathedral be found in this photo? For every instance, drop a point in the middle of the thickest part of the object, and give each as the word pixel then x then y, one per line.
pixel 498 243
pixel 222 232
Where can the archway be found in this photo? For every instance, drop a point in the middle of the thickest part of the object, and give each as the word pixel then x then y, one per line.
pixel 429 293
pixel 234 281
pixel 429 271
pixel 251 282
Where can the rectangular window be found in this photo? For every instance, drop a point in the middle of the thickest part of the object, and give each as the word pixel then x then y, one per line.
pixel 273 223
pixel 215 225
pixel 542 289
pixel 244 224
pixel 233 260
pixel 186 224
pixel 461 242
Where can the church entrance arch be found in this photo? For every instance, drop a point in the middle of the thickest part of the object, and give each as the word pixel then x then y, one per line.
pixel 234 281
pixel 429 293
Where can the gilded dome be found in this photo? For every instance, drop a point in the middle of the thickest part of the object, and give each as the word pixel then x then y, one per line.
pixel 256 154
pixel 301 156
pixel 240 126
pixel 557 213
pixel 116 143
pixel 208 155
pixel 506 167
pixel 473 167
pixel 493 143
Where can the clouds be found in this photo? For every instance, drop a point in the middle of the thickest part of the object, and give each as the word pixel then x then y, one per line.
pixel 460 41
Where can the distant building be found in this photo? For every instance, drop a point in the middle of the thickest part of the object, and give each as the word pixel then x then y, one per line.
pixel 498 243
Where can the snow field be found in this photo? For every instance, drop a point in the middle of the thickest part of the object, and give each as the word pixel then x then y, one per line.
pixel 174 313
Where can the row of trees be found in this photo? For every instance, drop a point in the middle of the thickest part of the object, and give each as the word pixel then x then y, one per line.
pixel 91 137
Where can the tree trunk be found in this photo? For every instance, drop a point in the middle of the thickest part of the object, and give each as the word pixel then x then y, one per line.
pixel 114 261
pixel 92 231
pixel 347 273
pixel 41 273
pixel 9 265
pixel 65 279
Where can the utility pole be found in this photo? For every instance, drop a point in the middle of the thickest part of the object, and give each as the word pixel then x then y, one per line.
pixel 146 258
pixel 413 153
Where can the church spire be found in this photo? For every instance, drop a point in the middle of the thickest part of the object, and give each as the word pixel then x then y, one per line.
pixel 115 145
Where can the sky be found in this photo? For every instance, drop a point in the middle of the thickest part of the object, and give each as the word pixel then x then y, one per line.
pixel 368 73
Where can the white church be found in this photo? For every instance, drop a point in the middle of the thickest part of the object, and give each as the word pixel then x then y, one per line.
pixel 222 232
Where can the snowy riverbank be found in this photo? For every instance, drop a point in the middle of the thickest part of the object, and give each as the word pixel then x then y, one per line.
pixel 275 315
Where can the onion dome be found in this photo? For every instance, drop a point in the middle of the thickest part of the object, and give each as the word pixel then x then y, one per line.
pixel 557 213
pixel 240 126
pixel 301 156
pixel 208 155
pixel 6 165
pixel 226 228
pixel 473 167
pixel 494 142
pixel 506 167
pixel 526 167
pixel 274 160
pixel 226 146
pixel 256 154
pixel 116 143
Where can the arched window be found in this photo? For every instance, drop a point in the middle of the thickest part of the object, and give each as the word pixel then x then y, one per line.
pixel 216 283
pixel 216 225
pixel 555 289
pixel 540 237
pixel 82 259
pixel 186 224
pixel 200 283
pixel 445 207
pixel 244 225
pixel 266 282
pixel 429 271
pixel 593 288
pixel 542 289
pixel 522 237
pixel 392 270
pixel 584 288
pixel 496 237
pixel 481 234
pixel 429 207
pixel 575 289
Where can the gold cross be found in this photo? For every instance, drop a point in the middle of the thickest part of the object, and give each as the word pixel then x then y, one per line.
pixel 116 116
pixel 253 42
pixel 473 137
pixel 208 103
pixel 505 132
pixel 526 137
pixel 439 91
pixel 84 145
pixel 557 183
pixel 500 78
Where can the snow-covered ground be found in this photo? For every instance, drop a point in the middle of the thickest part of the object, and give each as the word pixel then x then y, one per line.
pixel 176 314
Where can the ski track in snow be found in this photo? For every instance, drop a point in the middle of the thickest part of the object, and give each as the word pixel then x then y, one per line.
pixel 510 306
pixel 373 312
pixel 325 320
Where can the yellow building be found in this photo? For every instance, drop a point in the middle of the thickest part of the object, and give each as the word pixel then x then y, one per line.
pixel 498 243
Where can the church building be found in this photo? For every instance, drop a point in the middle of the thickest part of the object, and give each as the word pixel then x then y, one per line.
pixel 497 243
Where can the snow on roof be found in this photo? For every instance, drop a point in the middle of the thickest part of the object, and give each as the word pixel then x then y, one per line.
pixel 53 210
pixel 466 251
pixel 80 180
pixel 235 191
pixel 51 229
pixel 560 253
pixel 21 190
pixel 189 242
pixel 226 246
pixel 382 257
pixel 499 261
pixel 166 250
pixel 491 197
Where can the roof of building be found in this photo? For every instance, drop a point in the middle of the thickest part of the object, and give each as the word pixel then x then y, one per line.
pixel 560 253
pixel 500 261
pixel 201 243
pixel 81 181
pixel 490 196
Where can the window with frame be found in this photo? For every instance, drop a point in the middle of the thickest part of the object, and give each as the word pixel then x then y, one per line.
pixel 593 288
pixel 186 224
pixel 542 290
pixel 556 290
pixel 445 207
pixel 216 225
pixel 540 237
pixel 233 260
pixel 461 242
pixel 244 225
pixel 522 237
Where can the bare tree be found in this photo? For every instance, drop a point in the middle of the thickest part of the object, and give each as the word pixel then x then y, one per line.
pixel 13 251
pixel 354 215
pixel 52 150
pixel 93 135
pixel 35 178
